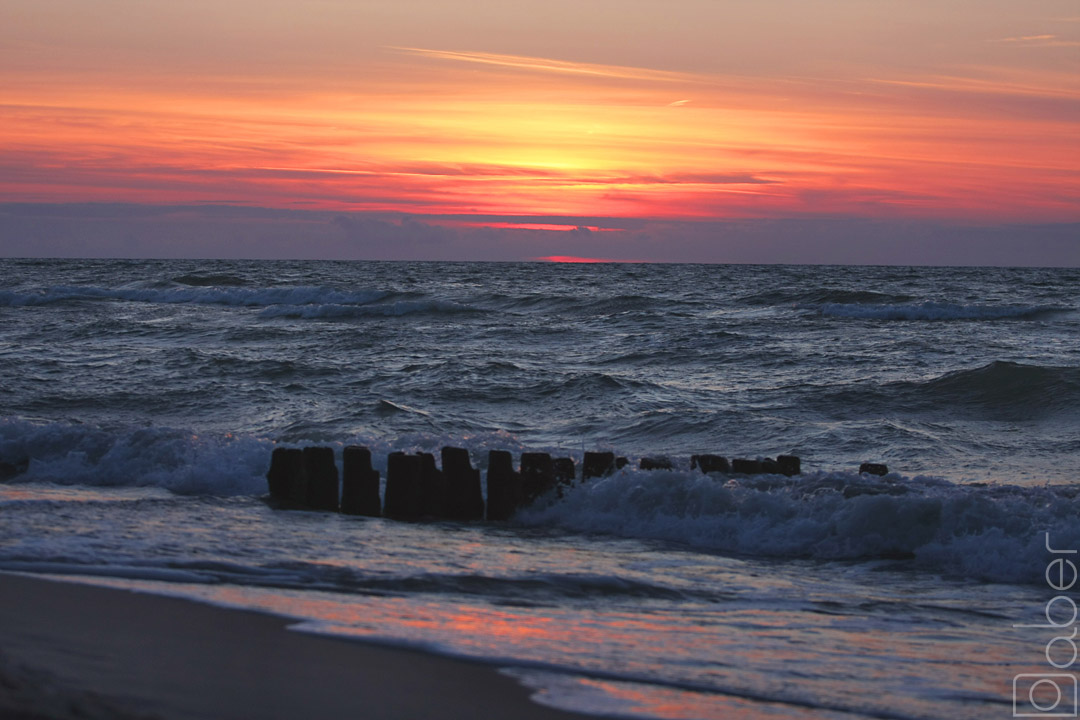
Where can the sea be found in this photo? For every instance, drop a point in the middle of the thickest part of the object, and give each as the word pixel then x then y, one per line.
pixel 140 403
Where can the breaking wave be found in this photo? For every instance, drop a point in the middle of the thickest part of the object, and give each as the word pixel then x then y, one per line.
pixel 984 532
pixel 998 389
pixel 992 532
pixel 177 460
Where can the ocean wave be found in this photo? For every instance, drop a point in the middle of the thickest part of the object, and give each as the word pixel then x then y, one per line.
pixel 986 532
pixel 210 280
pixel 1007 385
pixel 177 460
pixel 990 533
pixel 823 296
pixel 232 296
pixel 1000 389
pixel 930 311
pixel 391 309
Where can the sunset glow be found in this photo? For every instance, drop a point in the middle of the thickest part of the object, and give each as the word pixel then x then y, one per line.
pixel 297 118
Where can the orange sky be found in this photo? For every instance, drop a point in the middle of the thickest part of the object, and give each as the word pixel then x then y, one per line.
pixel 727 110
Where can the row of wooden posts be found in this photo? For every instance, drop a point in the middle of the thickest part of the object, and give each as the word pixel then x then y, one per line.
pixel 416 488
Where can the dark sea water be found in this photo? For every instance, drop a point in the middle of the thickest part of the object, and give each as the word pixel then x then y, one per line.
pixel 140 403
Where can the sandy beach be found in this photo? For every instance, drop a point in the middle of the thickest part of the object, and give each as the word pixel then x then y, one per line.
pixel 69 650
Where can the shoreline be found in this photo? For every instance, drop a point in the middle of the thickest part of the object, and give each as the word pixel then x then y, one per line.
pixel 74 650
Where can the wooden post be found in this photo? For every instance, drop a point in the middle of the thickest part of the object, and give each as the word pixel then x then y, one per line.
pixel 564 474
pixel 503 485
pixel 403 499
pixel 654 463
pixel 742 466
pixel 433 488
pixel 537 476
pixel 789 465
pixel 285 479
pixel 464 496
pixel 322 478
pixel 710 463
pixel 359 483
pixel 597 464
pixel 873 469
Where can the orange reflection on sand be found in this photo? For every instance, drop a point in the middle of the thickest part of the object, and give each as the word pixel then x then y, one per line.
pixel 653 701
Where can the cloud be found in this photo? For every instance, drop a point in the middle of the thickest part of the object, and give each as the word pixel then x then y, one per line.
pixel 550 65
pixel 1042 41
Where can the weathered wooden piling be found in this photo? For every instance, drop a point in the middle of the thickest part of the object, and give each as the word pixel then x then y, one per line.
pixel 359 483
pixel 464 497
pixel 710 463
pixel 790 465
pixel 433 488
pixel 403 486
pixel 597 464
pixel 769 466
pixel 565 472
pixel 742 466
pixel 654 463
pixel 537 476
pixel 10 470
pixel 322 478
pixel 873 469
pixel 285 479
pixel 503 485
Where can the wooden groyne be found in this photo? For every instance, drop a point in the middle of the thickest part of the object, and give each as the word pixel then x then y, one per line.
pixel 416 488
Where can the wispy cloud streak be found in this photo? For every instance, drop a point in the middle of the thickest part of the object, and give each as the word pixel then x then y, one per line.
pixel 521 62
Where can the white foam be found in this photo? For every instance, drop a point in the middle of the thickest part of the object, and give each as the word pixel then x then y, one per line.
pixel 988 533
pixel 175 459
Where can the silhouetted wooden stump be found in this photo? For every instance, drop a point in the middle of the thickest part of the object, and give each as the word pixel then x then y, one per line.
pixel 565 470
pixel 873 469
pixel 285 479
pixel 503 486
pixel 654 463
pixel 10 470
pixel 359 483
pixel 537 476
pixel 464 496
pixel 790 465
pixel 565 473
pixel 433 488
pixel 403 486
pixel 770 466
pixel 322 478
pixel 742 466
pixel 710 463
pixel 597 464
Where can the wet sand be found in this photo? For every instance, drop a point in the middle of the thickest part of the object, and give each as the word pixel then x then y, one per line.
pixel 69 650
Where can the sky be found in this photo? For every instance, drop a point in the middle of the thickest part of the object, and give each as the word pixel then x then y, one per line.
pixel 810 131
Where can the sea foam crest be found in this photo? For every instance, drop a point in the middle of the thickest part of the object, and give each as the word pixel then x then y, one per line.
pixel 990 532
pixel 931 311
pixel 178 460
